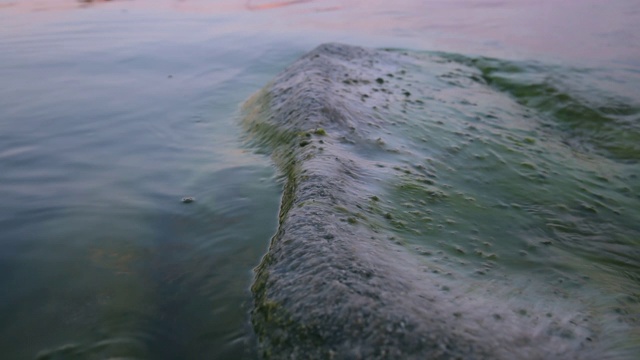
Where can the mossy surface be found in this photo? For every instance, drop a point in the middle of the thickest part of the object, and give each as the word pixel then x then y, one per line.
pixel 419 212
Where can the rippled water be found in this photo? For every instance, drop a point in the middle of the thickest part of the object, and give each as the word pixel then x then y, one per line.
pixel 112 111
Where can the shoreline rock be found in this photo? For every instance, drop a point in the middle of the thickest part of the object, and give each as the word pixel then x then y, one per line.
pixel 334 283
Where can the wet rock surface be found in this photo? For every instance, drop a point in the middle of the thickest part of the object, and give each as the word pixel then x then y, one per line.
pixel 335 282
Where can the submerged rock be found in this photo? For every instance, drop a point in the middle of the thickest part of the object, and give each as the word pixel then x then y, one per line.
pixel 336 283
pixel 188 199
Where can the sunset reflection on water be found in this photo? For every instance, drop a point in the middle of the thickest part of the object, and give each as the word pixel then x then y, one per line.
pixel 569 30
pixel 114 110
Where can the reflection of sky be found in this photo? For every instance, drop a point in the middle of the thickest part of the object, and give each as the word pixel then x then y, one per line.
pixel 574 29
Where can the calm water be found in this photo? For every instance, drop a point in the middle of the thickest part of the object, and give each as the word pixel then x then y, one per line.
pixel 112 111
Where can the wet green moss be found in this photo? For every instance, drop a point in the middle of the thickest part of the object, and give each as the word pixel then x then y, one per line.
pixel 528 165
pixel 342 209
pixel 479 198
pixel 425 191
pixel 262 133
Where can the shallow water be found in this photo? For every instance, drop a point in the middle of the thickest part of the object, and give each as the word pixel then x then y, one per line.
pixel 112 112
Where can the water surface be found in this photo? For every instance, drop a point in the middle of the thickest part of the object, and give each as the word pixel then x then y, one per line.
pixel 113 111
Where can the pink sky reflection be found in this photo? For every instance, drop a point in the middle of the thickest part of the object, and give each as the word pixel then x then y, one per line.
pixel 568 28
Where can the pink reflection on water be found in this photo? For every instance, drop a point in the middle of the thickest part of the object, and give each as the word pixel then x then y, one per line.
pixel 266 5
pixel 569 28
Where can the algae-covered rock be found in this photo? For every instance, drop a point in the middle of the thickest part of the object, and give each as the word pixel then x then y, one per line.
pixel 335 283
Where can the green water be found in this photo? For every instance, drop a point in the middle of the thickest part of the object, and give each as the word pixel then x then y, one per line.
pixel 112 112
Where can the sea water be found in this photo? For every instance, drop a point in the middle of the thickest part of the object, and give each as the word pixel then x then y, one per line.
pixel 111 112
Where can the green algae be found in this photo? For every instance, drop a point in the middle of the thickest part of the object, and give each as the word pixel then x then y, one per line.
pixel 604 122
pixel 489 199
pixel 509 182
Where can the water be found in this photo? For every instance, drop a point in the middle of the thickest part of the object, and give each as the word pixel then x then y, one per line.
pixel 112 112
